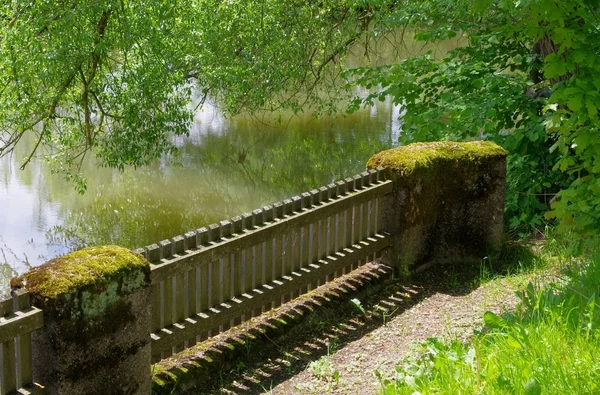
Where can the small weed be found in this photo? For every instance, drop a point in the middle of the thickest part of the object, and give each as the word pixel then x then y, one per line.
pixel 321 368
pixel 358 306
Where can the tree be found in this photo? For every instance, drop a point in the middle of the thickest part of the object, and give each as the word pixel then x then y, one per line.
pixel 115 76
pixel 484 90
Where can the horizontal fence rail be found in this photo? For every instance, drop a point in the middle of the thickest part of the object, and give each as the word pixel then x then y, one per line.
pixel 17 320
pixel 216 277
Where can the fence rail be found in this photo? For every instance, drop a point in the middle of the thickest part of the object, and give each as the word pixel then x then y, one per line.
pixel 17 320
pixel 209 280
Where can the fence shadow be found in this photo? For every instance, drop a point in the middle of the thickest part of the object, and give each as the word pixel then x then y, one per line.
pixel 274 347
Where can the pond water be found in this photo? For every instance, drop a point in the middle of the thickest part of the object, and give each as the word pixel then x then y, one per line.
pixel 225 167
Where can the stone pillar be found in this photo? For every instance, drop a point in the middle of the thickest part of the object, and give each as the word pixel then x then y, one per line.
pixel 96 334
pixel 447 204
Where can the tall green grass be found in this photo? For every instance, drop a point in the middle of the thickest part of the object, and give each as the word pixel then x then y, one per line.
pixel 549 345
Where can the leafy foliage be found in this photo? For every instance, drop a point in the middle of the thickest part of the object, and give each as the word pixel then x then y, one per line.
pixel 485 90
pixel 117 76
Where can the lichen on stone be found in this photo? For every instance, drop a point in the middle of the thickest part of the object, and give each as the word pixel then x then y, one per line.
pixel 95 267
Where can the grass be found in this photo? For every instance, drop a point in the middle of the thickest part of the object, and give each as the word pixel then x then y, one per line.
pixel 549 345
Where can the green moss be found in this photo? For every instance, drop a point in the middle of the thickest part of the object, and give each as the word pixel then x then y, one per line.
pixel 406 159
pixel 97 267
pixel 441 199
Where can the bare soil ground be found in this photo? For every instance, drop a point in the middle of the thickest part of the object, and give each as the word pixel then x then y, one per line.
pixel 440 314
pixel 341 344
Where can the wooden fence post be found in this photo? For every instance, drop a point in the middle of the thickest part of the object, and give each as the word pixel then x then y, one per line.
pixel 96 334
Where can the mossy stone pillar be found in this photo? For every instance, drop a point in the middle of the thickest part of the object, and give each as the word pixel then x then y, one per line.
pixel 447 204
pixel 96 334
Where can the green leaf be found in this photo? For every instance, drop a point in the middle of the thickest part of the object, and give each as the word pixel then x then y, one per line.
pixel 575 103
pixel 493 321
pixel 592 110
pixel 481 6
pixel 533 387
pixel 555 69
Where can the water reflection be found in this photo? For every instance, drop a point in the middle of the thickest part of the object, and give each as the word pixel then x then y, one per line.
pixel 225 167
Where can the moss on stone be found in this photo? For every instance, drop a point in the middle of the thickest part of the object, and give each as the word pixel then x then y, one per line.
pixel 95 267
pixel 447 196
pixel 406 159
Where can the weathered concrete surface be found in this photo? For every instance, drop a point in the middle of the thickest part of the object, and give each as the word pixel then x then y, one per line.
pixel 96 335
pixel 447 204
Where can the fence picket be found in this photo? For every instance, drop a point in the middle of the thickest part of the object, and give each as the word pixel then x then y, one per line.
pixel 258 256
pixel 256 261
pixel 357 217
pixel 305 237
pixel 323 232
pixel 364 221
pixel 8 374
pixel 268 253
pixel 296 240
pixel 202 282
pixel 179 288
pixel 278 253
pixel 287 264
pixel 247 262
pixel 21 303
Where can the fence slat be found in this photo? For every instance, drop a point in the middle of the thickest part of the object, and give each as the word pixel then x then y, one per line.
pixel 248 239
pixel 356 218
pixel 314 235
pixel 268 292
pixel 364 232
pixel 179 303
pixel 268 253
pixel 157 297
pixel 22 303
pixel 257 256
pixel 305 237
pixel 323 232
pixel 278 256
pixel 296 240
pixel 225 270
pixel 9 375
pixel 190 300
pixel 180 290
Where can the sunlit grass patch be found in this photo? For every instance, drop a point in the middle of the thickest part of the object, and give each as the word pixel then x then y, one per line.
pixel 550 344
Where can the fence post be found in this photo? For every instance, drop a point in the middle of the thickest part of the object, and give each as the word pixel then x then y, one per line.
pixel 447 204
pixel 96 334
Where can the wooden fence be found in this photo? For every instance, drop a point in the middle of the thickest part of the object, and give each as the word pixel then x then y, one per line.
pixel 216 277
pixel 17 320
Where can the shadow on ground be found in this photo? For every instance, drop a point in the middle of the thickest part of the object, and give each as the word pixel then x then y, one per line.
pixel 272 348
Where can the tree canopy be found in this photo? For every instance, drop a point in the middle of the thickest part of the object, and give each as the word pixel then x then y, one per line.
pixel 528 79
pixel 116 77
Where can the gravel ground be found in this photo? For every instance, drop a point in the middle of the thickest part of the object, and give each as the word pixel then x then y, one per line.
pixel 437 315
pixel 341 344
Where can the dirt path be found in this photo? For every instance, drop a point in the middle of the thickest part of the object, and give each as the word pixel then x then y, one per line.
pixel 340 346
pixel 438 315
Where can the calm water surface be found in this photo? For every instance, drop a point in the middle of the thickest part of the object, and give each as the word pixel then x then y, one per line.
pixel 225 167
